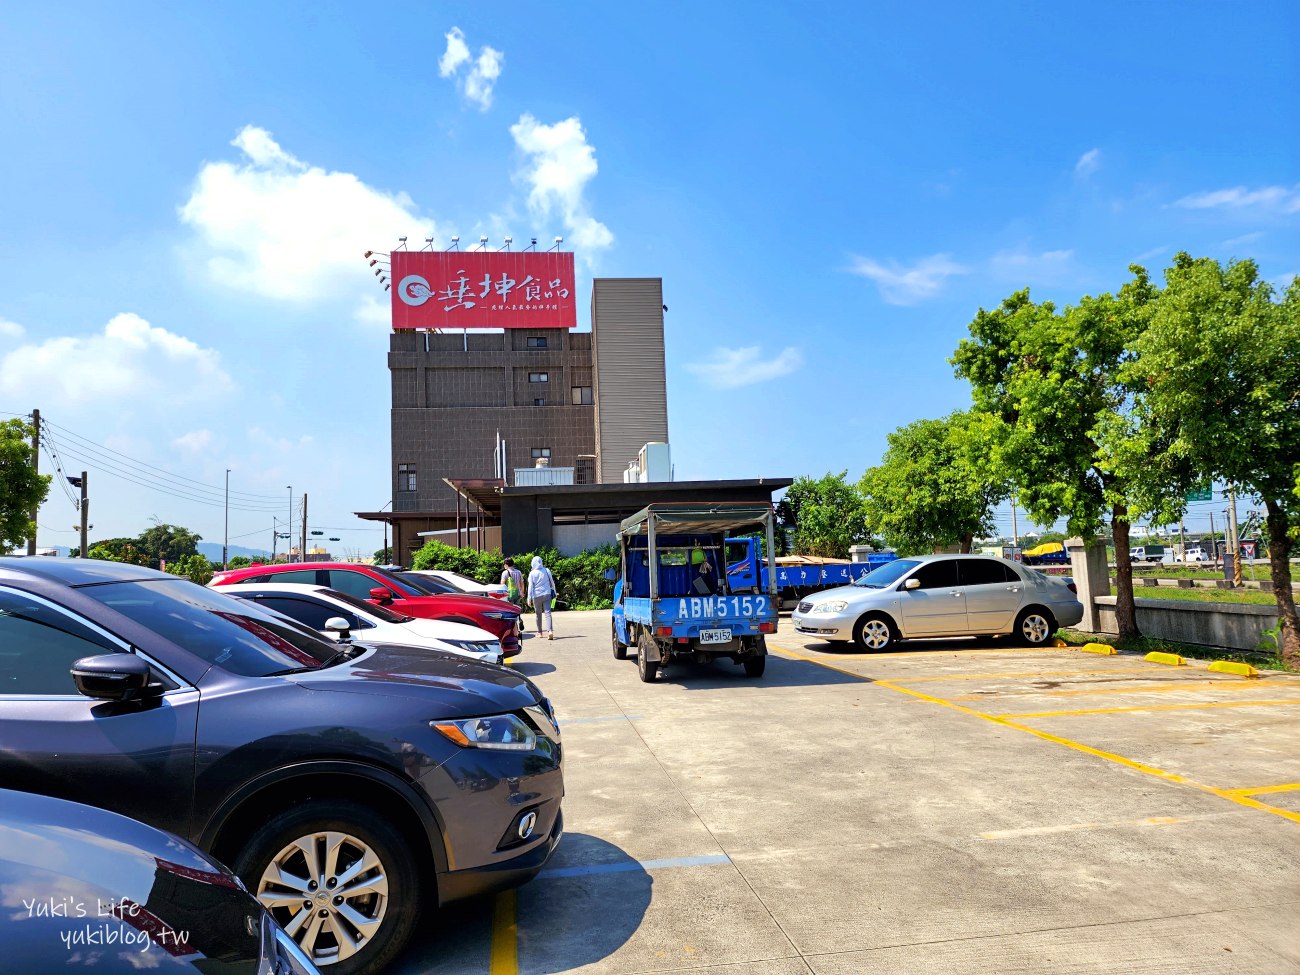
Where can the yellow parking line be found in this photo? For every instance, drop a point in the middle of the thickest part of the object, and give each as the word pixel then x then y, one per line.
pixel 1266 790
pixel 1225 685
pixel 1035 673
pixel 1155 707
pixel 1242 800
pixel 1009 834
pixel 505 939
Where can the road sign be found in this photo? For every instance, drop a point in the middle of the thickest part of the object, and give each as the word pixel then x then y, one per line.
pixel 1200 494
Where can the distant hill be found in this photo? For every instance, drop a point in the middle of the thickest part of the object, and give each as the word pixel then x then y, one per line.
pixel 212 551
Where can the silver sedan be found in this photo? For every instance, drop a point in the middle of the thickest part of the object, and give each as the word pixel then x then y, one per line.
pixel 941 596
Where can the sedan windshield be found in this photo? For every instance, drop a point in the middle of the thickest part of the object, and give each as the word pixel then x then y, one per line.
pixel 427 585
pixel 887 574
pixel 369 609
pixel 229 633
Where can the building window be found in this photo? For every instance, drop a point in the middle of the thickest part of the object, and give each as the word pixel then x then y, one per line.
pixel 541 452
pixel 539 402
pixel 406 477
pixel 538 377
pixel 581 395
pixel 536 342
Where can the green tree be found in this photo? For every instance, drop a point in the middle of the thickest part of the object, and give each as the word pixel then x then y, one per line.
pixel 1056 380
pixel 21 488
pixel 119 550
pixel 1220 368
pixel 167 542
pixel 825 516
pixel 937 484
pixel 195 567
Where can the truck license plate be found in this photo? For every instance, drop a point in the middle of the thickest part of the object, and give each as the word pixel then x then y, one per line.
pixel 715 636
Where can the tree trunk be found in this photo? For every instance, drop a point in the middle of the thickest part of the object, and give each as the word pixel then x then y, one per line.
pixel 1125 608
pixel 1279 552
pixel 967 541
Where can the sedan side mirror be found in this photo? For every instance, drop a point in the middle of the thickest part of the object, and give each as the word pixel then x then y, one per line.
pixel 912 584
pixel 382 594
pixel 338 626
pixel 112 677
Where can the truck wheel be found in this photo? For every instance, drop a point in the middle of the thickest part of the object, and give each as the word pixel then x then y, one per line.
pixel 373 901
pixel 873 634
pixel 620 648
pixel 647 669
pixel 754 666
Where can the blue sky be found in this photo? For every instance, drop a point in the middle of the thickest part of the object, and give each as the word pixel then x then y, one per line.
pixel 830 192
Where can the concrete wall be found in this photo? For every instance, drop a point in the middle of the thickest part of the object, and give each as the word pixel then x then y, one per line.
pixel 1235 626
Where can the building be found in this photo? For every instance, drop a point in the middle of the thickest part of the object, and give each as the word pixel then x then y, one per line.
pixel 474 412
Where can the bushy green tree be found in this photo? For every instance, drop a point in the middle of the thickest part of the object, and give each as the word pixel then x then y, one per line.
pixel 195 567
pixel 167 542
pixel 824 516
pixel 1219 370
pixel 1058 383
pixel 21 489
pixel 937 484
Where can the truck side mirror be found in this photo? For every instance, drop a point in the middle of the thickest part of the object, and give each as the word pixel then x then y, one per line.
pixel 610 575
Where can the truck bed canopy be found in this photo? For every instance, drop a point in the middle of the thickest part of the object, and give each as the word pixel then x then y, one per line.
pixel 696 517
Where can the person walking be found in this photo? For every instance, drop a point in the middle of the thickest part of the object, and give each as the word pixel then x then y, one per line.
pixel 541 593
pixel 513 580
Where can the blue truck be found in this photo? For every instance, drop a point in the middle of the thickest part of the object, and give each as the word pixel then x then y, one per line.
pixel 677 598
pixel 796 577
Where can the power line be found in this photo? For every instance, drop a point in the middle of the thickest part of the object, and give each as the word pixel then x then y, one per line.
pixel 144 469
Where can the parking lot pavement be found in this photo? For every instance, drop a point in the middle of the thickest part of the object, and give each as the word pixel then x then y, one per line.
pixel 951 807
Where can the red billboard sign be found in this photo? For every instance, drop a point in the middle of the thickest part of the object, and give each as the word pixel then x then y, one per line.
pixel 483 289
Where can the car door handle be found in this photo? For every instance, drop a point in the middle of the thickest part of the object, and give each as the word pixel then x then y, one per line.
pixel 1013 589
pixel 958 594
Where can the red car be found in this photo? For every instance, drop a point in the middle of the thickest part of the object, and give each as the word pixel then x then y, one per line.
pixel 379 586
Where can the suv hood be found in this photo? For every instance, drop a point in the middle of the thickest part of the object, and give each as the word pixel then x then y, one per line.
pixel 458 687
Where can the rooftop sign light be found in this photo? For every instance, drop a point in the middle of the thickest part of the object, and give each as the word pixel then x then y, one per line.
pixel 483 289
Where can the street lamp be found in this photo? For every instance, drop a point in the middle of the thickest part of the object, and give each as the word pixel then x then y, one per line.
pixel 387 558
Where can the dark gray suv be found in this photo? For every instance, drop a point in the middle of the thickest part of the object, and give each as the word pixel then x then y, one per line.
pixel 350 788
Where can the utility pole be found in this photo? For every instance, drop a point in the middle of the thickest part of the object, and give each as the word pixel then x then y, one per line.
pixel 302 550
pixel 36 468
pixel 288 549
pixel 85 511
pixel 225 539
pixel 274 535
pixel 1015 532
pixel 1182 540
pixel 1214 542
pixel 1232 527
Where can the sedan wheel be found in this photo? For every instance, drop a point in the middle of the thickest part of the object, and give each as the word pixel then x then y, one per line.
pixel 1035 627
pixel 339 881
pixel 874 633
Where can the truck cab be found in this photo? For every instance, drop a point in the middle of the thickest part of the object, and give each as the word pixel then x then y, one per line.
pixel 677 598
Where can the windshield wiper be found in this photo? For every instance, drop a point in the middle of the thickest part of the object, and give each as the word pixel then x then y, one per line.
pixel 339 656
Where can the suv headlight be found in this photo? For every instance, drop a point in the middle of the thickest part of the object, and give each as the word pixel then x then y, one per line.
pixel 494 614
pixel 831 606
pixel 500 731
pixel 492 649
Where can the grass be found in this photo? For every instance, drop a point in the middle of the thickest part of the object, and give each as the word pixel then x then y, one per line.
pixel 1259 572
pixel 1142 645
pixel 1237 596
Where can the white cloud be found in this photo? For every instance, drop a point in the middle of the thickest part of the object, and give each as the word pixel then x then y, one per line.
pixel 1088 163
pixel 1019 261
pixel 1281 199
pixel 560 164
pixel 1153 252
pixel 900 285
pixel 194 442
pixel 129 359
pixel 1244 239
pixel 483 74
pixel 10 329
pixel 732 368
pixel 457 53
pixel 277 226
pixel 374 311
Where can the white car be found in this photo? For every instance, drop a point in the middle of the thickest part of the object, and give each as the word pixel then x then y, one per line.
pixel 462 583
pixel 341 616
pixel 1195 553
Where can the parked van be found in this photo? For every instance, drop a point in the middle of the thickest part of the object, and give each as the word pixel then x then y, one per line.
pixel 1195 553
pixel 1146 553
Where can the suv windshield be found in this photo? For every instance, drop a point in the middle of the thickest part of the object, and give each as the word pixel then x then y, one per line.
pixel 887 574
pixel 226 632
pixel 427 585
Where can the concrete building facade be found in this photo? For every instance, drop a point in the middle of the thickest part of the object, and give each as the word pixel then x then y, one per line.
pixel 581 400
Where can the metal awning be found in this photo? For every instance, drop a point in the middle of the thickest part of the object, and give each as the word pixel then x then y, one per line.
pixel 483 493
pixel 684 517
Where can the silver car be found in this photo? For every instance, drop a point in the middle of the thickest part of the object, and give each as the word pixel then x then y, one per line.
pixel 941 596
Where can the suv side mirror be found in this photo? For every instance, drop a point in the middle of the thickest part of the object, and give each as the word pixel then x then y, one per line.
pixel 338 626
pixel 112 677
pixel 382 594
pixel 610 575
pixel 912 583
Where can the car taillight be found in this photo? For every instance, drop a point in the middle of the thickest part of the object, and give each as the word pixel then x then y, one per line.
pixel 664 631
pixel 766 627
pixel 1072 587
